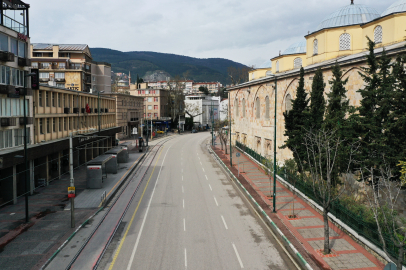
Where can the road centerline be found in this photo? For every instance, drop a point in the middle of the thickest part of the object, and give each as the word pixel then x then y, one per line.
pixel 238 255
pixel 225 224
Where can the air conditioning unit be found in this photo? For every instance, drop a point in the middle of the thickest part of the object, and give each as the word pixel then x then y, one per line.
pixel 101 110
pixel 95 110
pixel 83 110
pixel 106 110
pixel 30 121
pixel 75 110
pixel 6 57
pixel 24 62
pixel 7 89
pixel 66 110
pixel 8 122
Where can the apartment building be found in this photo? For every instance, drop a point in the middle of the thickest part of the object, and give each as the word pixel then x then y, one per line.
pixel 187 85
pixel 155 102
pixel 14 83
pixel 207 106
pixel 130 111
pixel 70 66
pixel 213 87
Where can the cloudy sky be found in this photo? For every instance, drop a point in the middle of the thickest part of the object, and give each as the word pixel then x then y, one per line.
pixel 248 32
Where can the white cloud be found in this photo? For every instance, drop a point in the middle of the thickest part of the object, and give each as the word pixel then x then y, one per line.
pixel 248 32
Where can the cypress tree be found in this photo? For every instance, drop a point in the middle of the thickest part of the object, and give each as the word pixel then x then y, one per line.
pixel 295 121
pixel 317 102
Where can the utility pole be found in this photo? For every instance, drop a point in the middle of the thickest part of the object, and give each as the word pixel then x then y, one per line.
pixel 274 148
pixel 72 183
pixel 212 124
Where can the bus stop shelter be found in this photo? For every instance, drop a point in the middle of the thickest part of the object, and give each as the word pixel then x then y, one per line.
pixel 96 171
pixel 125 146
pixel 118 155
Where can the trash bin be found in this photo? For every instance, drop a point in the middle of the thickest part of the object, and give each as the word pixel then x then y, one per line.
pixel 140 144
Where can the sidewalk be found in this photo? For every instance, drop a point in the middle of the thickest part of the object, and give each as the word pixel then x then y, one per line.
pixel 307 228
pixel 28 246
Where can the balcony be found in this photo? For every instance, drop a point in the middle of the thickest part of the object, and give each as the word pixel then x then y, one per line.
pixel 134 119
pixel 44 79
pixel 6 57
pixel 8 122
pixel 30 120
pixel 14 25
pixel 7 89
pixel 60 79
pixel 24 62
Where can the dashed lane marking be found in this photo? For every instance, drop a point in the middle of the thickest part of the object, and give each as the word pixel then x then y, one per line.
pixel 225 224
pixel 238 255
pixel 216 201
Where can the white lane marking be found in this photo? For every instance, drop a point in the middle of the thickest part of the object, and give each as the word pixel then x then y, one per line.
pixel 238 256
pixel 210 188
pixel 183 190
pixel 184 225
pixel 183 203
pixel 225 225
pixel 203 169
pixel 206 177
pixel 145 217
pixel 201 163
pixel 216 201
pixel 185 258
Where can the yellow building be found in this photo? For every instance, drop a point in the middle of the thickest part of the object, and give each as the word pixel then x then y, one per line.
pixel 341 37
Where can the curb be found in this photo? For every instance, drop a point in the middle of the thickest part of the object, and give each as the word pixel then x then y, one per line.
pixel 274 226
pixel 100 209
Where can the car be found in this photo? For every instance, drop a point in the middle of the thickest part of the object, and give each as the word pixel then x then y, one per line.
pixel 194 131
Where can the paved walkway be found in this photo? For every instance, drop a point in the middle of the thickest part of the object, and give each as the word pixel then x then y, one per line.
pixel 307 227
pixel 29 245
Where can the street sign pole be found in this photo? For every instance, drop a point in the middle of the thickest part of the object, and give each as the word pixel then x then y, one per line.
pixel 238 162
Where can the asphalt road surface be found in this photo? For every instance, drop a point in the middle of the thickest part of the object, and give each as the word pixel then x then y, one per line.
pixel 187 215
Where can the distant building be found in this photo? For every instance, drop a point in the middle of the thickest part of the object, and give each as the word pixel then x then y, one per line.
pixel 223 110
pixel 70 66
pixel 155 102
pixel 206 106
pixel 213 87
pixel 130 110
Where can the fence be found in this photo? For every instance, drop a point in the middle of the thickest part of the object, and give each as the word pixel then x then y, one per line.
pixel 354 220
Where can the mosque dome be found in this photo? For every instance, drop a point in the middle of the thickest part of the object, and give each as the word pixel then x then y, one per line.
pixel 398 6
pixel 266 64
pixel 350 15
pixel 298 47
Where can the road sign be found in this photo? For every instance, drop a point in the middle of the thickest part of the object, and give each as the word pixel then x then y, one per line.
pixel 71 192
pixel 238 154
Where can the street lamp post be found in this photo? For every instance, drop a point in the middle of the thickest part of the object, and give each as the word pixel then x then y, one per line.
pixel 274 153
pixel 212 124
pixel 26 175
pixel 229 124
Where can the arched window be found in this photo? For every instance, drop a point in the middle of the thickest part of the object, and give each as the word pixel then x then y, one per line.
pixel 243 107
pixel 236 107
pixel 378 34
pixel 268 73
pixel 345 42
pixel 297 63
pixel 257 108
pixel 315 47
pixel 288 103
pixel 253 76
pixel 267 107
pixel 277 66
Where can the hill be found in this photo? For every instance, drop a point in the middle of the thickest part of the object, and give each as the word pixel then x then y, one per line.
pixel 210 69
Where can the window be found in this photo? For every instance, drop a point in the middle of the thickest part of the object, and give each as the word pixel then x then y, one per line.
pixel 94 78
pixel 267 107
pixel 4 43
pixel 14 46
pixel 61 85
pixel 149 107
pixel 150 99
pixel 257 108
pixel 236 107
pixel 288 103
pixel 48 126
pixel 53 124
pixel 60 123
pixel 62 65
pixel 315 47
pixel 253 76
pixel 47 99
pixel 243 107
pixel 268 73
pixel 155 107
pixel 155 99
pixel 59 75
pixel 277 66
pixel 37 54
pixel 53 99
pixel 345 42
pixel 41 126
pixel 34 64
pixel 44 75
pixel 65 123
pixel 155 114
pixel 149 114
pixel 21 49
pixel 378 34
pixel 297 63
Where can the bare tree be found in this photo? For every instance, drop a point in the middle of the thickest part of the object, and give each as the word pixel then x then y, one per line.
pixel 238 75
pixel 382 199
pixel 322 148
pixel 176 97
pixel 193 110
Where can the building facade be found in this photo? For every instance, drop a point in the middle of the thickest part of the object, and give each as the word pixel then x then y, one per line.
pixel 130 111
pixel 70 66
pixel 338 39
pixel 155 102
pixel 205 106
pixel 213 87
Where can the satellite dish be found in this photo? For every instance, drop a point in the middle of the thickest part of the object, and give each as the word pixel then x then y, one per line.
pixel 390 266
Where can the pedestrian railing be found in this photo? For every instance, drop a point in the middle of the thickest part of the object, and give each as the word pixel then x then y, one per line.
pixel 357 221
